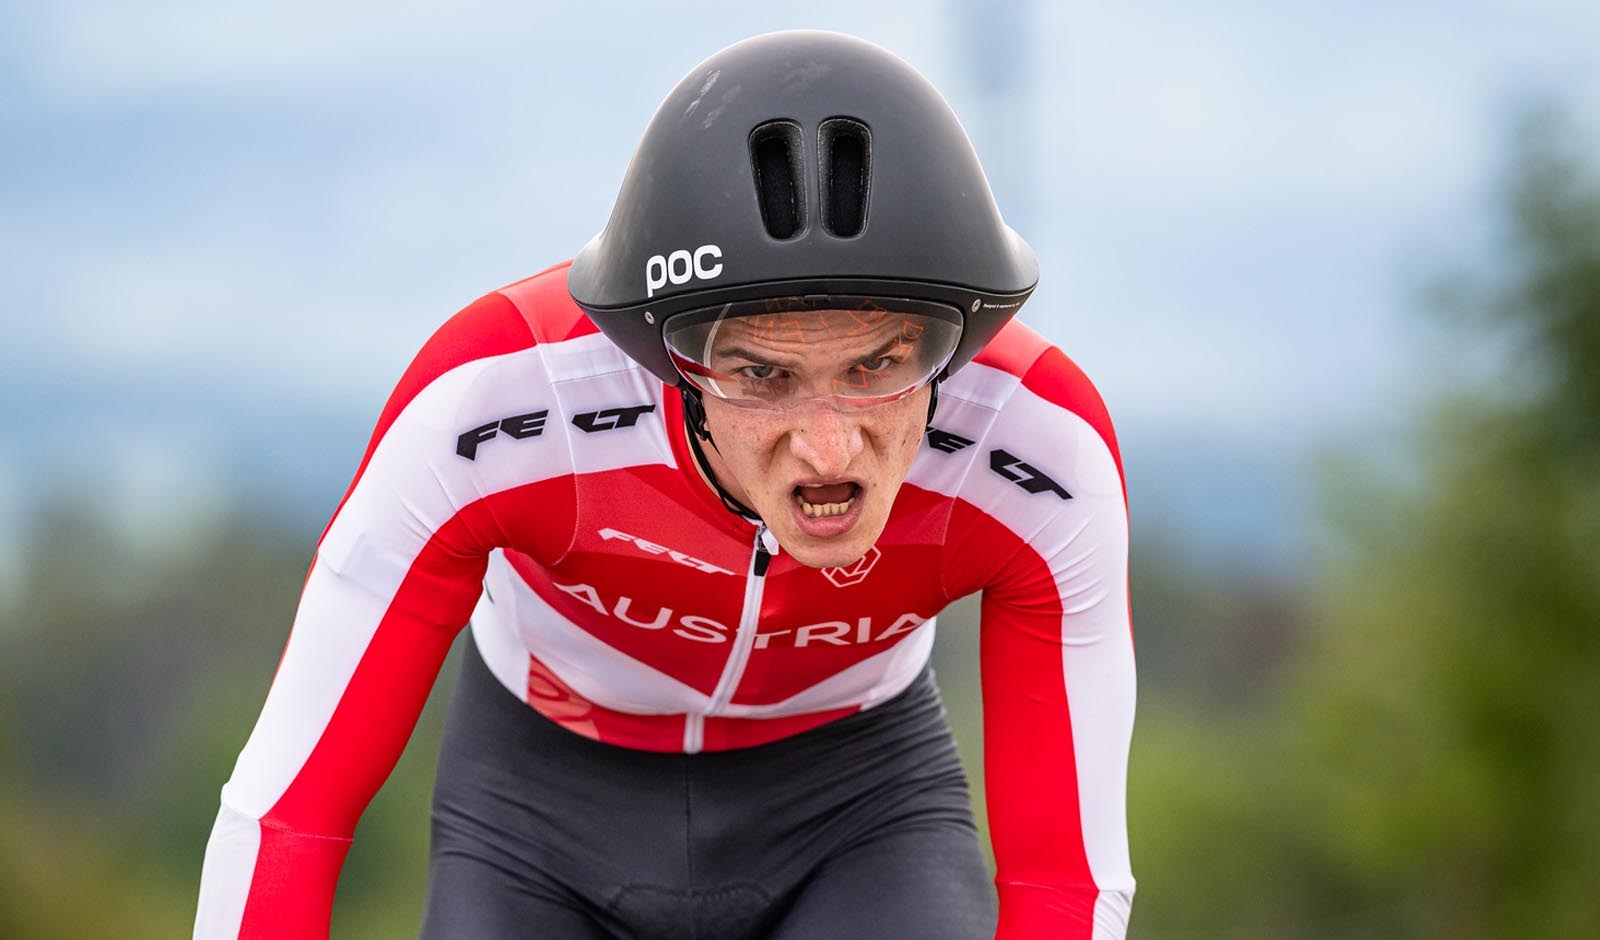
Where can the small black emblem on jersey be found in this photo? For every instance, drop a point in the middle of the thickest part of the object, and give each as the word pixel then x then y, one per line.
pixel 591 421
pixel 1024 475
pixel 516 426
pixel 946 442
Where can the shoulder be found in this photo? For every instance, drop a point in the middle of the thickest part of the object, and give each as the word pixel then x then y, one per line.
pixel 513 318
pixel 1022 395
pixel 1027 366
pixel 494 364
pixel 497 335
pixel 544 306
pixel 1023 444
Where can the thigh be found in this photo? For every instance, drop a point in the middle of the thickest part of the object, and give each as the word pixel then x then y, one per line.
pixel 927 882
pixel 472 899
pixel 535 828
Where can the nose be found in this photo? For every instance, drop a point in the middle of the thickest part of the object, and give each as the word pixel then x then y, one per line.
pixel 825 439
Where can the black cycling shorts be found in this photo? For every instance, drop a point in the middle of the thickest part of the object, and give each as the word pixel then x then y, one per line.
pixel 860 828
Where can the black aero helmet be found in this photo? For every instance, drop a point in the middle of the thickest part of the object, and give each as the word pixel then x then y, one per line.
pixel 802 165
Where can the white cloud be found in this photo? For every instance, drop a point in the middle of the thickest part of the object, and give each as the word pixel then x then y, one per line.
pixel 1362 109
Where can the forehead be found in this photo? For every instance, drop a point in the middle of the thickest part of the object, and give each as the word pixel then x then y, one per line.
pixel 818 330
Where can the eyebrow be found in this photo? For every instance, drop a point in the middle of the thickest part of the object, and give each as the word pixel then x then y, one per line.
pixel 744 352
pixel 894 343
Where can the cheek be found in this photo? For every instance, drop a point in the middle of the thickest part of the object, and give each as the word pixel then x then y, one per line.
pixel 744 439
pixel 901 437
pixel 913 440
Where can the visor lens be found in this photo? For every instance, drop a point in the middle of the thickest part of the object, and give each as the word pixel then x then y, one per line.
pixel 852 351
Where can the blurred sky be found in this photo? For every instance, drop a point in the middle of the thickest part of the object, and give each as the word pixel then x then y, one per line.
pixel 225 228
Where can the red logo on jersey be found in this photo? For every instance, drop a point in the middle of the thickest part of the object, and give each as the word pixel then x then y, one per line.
pixel 854 573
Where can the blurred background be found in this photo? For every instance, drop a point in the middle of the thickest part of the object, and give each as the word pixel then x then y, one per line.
pixel 1335 268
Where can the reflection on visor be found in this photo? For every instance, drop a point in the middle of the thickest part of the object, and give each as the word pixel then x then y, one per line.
pixel 870 353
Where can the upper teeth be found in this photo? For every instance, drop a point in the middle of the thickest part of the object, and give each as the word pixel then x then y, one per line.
pixel 817 510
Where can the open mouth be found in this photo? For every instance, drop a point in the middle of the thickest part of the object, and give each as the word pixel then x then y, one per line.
pixel 821 500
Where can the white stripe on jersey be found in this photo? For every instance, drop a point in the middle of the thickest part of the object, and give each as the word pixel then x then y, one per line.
pixel 1112 908
pixel 225 880
pixel 589 374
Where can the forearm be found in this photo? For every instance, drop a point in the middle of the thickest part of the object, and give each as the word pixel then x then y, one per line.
pixel 1059 693
pixel 335 722
pixel 262 879
pixel 1089 912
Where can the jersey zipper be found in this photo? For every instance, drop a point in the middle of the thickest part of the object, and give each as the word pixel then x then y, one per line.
pixel 743 640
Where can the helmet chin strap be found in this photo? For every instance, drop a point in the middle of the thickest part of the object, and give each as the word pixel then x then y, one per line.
pixel 694 418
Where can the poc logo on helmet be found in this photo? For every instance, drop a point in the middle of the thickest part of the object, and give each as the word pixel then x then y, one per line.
pixel 681 267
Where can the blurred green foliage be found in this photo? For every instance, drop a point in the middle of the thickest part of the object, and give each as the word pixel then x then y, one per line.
pixel 124 699
pixel 1405 746
pixel 1426 762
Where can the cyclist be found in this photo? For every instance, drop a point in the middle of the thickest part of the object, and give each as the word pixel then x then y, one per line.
pixel 700 493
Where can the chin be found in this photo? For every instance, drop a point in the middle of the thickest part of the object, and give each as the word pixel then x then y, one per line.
pixel 825 556
pixel 835 552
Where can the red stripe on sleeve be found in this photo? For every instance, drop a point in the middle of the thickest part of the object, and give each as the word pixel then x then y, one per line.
pixel 291 892
pixel 1057 379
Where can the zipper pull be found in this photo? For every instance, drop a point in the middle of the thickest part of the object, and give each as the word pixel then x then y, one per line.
pixel 764 553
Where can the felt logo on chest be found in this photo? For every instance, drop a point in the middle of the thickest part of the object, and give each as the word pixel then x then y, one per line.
pixel 654 549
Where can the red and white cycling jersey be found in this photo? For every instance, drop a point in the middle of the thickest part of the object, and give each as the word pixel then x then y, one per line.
pixel 528 476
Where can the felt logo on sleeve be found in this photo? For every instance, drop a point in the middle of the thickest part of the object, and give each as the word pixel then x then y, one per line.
pixel 517 427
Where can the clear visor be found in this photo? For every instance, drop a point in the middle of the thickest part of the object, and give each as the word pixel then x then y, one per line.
pixel 853 352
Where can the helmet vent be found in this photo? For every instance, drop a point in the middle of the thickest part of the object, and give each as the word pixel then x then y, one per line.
pixel 775 156
pixel 844 147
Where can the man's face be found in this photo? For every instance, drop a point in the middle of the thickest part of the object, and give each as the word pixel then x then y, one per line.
pixel 823 480
pixel 822 471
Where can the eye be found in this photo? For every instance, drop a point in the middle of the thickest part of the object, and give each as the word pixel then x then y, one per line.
pixel 881 364
pixel 761 373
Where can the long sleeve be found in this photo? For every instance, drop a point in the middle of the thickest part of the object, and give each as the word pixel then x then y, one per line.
pixel 1058 682
pixel 1045 516
pixel 395 577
